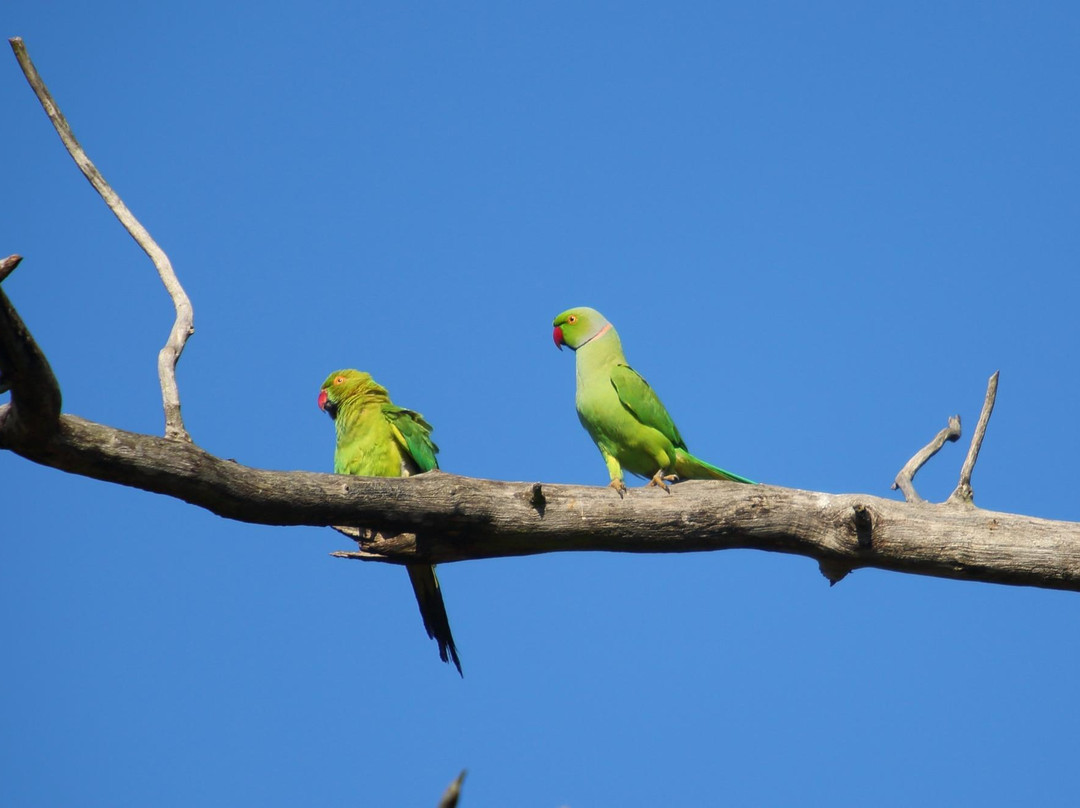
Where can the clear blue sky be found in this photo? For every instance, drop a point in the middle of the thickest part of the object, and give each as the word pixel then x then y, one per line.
pixel 819 229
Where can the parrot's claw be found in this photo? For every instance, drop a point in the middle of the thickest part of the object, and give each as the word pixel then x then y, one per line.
pixel 661 480
pixel 619 486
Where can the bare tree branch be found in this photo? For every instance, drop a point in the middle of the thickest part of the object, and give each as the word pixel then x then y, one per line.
pixel 906 475
pixel 7 265
pixel 963 492
pixel 183 325
pixel 35 394
pixel 440 518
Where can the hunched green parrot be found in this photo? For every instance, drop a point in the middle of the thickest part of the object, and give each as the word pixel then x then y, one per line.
pixel 621 413
pixel 376 438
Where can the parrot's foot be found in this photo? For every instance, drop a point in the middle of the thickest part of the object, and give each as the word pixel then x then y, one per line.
pixel 661 480
pixel 619 486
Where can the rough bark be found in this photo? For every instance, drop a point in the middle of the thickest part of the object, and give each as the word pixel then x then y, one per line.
pixel 440 518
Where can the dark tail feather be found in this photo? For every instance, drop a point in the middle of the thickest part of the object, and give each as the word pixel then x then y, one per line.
pixel 689 467
pixel 425 585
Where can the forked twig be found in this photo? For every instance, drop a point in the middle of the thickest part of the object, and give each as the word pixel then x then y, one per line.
pixel 183 325
pixel 907 473
pixel 963 492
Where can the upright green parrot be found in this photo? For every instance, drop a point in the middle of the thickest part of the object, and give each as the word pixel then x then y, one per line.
pixel 376 438
pixel 621 412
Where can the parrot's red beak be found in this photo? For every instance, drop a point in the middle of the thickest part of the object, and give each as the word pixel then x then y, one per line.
pixel 557 336
pixel 326 405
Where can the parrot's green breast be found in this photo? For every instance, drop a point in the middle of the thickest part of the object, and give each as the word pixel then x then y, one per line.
pixel 639 449
pixel 369 446
pixel 615 428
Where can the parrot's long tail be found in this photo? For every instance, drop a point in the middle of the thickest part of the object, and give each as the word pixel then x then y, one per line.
pixel 425 585
pixel 689 467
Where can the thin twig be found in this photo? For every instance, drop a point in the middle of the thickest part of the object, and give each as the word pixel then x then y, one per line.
pixel 453 792
pixel 183 325
pixel 363 534
pixel 963 492
pixel 907 473
pixel 363 555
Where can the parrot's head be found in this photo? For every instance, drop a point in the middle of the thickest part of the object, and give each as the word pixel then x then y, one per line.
pixel 575 327
pixel 342 385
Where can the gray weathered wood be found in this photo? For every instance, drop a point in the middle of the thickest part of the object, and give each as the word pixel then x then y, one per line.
pixel 440 518
pixel 963 492
pixel 905 478
pixel 183 325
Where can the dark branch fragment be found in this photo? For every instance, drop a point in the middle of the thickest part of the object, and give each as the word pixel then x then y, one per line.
pixel 911 468
pixel 35 393
pixel 834 571
pixel 452 794
pixel 7 266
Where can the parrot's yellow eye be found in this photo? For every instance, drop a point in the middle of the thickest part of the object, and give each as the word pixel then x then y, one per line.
pixel 572 319
pixel 339 380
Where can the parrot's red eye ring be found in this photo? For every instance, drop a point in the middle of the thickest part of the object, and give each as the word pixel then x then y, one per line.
pixel 572 319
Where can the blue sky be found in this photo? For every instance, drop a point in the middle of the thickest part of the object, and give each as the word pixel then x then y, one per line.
pixel 819 228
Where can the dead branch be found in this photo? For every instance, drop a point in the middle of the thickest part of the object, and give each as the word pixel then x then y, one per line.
pixel 904 479
pixel 35 394
pixel 7 265
pixel 452 794
pixel 963 493
pixel 439 518
pixel 183 326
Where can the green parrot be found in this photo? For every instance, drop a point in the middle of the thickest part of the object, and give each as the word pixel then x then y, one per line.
pixel 621 413
pixel 376 438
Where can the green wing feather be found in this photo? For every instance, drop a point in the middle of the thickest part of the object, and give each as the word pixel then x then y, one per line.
pixel 414 433
pixel 636 395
